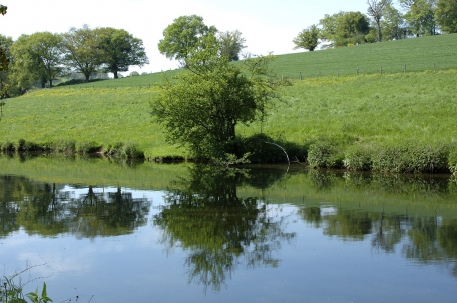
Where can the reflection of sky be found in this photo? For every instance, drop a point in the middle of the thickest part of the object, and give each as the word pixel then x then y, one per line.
pixel 136 268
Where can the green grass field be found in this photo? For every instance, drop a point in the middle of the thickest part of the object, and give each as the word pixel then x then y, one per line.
pixel 356 114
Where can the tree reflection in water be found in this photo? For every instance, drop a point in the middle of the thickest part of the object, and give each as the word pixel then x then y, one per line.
pixel 423 239
pixel 49 210
pixel 219 230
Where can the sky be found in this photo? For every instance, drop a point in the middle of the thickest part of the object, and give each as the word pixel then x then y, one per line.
pixel 267 25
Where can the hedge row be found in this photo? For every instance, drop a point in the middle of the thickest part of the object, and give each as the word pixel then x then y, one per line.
pixel 408 158
pixel 124 150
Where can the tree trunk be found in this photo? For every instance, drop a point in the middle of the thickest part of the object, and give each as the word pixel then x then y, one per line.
pixel 87 77
pixel 378 23
pixel 115 74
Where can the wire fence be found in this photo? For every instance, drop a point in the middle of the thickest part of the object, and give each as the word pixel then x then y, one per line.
pixel 300 72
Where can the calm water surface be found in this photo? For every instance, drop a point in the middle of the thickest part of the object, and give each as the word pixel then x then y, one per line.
pixel 195 234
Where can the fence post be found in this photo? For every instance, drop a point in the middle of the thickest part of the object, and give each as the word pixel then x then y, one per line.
pixel 381 70
pixel 404 71
pixel 434 67
pixel 301 76
pixel 357 71
pixel 337 73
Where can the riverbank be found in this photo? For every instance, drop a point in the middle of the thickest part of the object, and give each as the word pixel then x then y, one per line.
pixel 397 122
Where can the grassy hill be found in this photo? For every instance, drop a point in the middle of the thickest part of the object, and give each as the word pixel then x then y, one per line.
pixel 395 113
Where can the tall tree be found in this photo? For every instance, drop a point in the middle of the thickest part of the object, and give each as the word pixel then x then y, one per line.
pixel 5 59
pixel 376 10
pixel 329 25
pixel 3 63
pixel 37 57
pixel 308 38
pixel 446 15
pixel 201 107
pixel 393 25
pixel 345 27
pixel 183 35
pixel 352 28
pixel 121 50
pixel 231 44
pixel 420 15
pixel 82 50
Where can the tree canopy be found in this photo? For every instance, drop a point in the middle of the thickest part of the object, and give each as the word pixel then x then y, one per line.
pixel 201 106
pixel 82 51
pixel 446 15
pixel 183 35
pixel 231 44
pixel 121 50
pixel 37 57
pixel 376 10
pixel 308 38
pixel 3 9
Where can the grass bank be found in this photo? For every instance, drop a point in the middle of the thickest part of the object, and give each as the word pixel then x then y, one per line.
pixel 397 121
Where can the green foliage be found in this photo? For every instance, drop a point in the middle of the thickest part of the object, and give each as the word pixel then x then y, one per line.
pixel 182 36
pixel 202 106
pixel 124 150
pixel 393 25
pixel 36 57
pixel 36 298
pixel 325 154
pixel 3 9
pixel 345 27
pixel 231 44
pixel 121 50
pixel 411 158
pixel 358 157
pixel 446 15
pixel 352 29
pixel 87 147
pixel 307 38
pixel 376 10
pixel 82 50
pixel 420 15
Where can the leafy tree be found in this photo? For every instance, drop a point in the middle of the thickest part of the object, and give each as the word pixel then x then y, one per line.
pixel 393 25
pixel 308 38
pixel 3 9
pixel 352 28
pixel 5 59
pixel 420 15
pixel 201 107
pixel 376 10
pixel 183 35
pixel 37 57
pixel 231 44
pixel 345 27
pixel 121 50
pixel 446 15
pixel 82 50
pixel 329 24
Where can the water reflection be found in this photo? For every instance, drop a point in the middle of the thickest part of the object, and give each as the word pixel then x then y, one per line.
pixel 49 209
pixel 426 240
pixel 226 221
pixel 219 230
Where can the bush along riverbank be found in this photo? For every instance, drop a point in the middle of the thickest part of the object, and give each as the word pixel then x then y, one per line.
pixel 410 157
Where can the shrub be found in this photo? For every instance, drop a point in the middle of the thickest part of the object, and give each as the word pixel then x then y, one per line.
pixel 64 146
pixel 452 161
pixel 87 147
pixel 358 158
pixel 264 149
pixel 324 154
pixel 124 150
pixel 411 158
